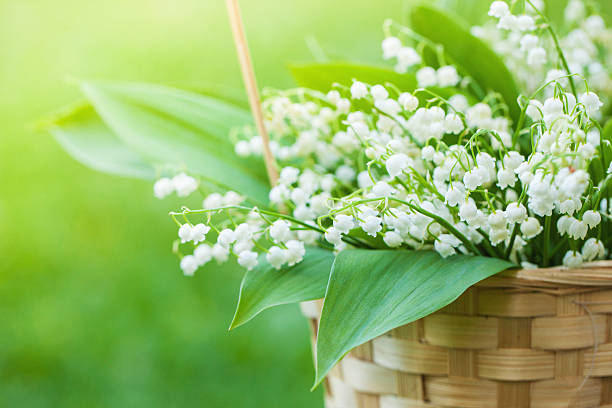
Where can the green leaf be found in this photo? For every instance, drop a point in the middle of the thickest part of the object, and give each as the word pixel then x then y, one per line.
pixel 320 76
pixel 371 292
pixel 472 54
pixel 87 139
pixel 264 287
pixel 173 126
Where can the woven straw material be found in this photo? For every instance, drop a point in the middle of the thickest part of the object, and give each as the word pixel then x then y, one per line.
pixel 523 339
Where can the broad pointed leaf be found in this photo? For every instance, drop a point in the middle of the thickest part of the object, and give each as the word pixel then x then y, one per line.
pixel 264 287
pixel 472 54
pixel 173 126
pixel 371 292
pixel 321 76
pixel 86 138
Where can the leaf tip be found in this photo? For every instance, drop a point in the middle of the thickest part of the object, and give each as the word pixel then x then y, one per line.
pixel 237 320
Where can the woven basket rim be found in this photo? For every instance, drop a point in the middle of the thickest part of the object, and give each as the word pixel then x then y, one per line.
pixel 598 273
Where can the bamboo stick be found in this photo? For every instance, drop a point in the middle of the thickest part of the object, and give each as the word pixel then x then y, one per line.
pixel 248 75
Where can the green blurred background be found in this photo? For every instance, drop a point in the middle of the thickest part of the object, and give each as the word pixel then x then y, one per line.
pixel 93 308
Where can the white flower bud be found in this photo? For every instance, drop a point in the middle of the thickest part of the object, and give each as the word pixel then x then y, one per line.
pixel 203 254
pixel 371 225
pixel 459 102
pixel 243 148
pixel 591 218
pixel 453 124
pixel 163 187
pixel 392 239
pixel 184 184
pixel 572 259
pixel 498 235
pixel 343 105
pixel 468 210
pixel 232 198
pixel 472 179
pixel 333 236
pixel 308 237
pixel 536 57
pixel 304 213
pixel 280 231
pixel 299 196
pixel 242 245
pixel 525 23
pixel 445 245
pixel 243 232
pixel 578 229
pixel 214 200
pixel 288 176
pixel 406 57
pixel 563 224
pixel 591 102
pixel 276 257
pixel 247 259
pixel 220 253
pixel 497 220
pixel 528 42
pixel 444 249
pixel 499 9
pixel 295 252
pixel 508 22
pixel 593 249
pixel 506 178
pixel 279 194
pixel 189 265
pixel 184 233
pixel 534 110
pixel 408 101
pixel 454 195
pixel 344 223
pixel 396 164
pixel 382 189
pixel 427 77
pixel 428 152
pixel 447 76
pixel 334 96
pixel 379 93
pixel 391 47
pixel 515 212
pixel 198 232
pixel 358 90
pixel 531 227
pixel 345 174
pixel 226 237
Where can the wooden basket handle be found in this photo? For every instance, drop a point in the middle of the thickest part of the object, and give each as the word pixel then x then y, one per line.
pixel 248 75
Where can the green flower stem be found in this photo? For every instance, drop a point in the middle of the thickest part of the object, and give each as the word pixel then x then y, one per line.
pixel 487 245
pixel 353 241
pixel 516 226
pixel 426 184
pixel 603 187
pixel 558 47
pixel 348 239
pixel 449 227
pixel 259 210
pixel 547 222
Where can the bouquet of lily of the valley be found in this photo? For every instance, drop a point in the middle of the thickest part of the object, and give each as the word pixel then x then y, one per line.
pixel 482 149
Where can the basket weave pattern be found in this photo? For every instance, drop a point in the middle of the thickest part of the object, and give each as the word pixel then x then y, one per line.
pixel 525 339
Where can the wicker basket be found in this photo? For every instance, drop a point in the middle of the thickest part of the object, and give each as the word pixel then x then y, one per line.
pixel 539 338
